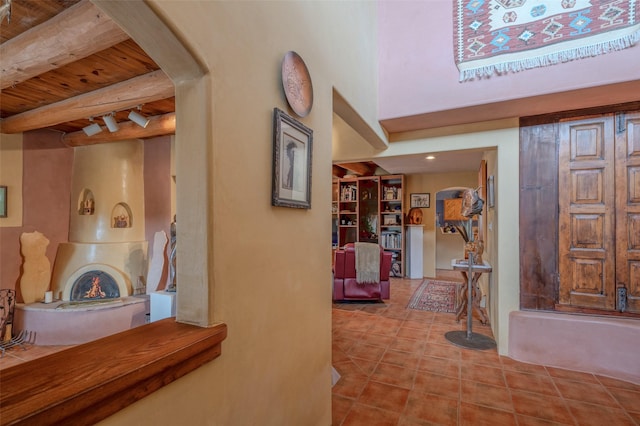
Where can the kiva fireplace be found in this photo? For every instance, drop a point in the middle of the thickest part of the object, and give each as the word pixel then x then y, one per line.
pixel 96 271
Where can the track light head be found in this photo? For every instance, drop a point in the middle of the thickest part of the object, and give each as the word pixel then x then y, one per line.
pixel 110 122
pixel 92 129
pixel 139 119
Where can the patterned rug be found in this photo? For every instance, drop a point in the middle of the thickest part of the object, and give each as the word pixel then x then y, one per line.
pixel 498 36
pixel 435 296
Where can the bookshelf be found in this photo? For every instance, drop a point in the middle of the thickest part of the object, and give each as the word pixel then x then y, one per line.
pixel 371 209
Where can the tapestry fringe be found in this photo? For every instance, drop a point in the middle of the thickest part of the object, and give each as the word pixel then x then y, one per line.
pixel 551 58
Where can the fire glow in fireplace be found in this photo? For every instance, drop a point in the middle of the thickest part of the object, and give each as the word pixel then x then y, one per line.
pixel 94 285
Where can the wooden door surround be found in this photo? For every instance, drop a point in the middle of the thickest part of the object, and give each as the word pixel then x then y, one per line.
pixel 580 210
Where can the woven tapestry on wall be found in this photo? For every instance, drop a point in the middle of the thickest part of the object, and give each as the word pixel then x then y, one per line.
pixel 499 36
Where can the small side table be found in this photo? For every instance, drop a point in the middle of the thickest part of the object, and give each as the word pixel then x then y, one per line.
pixel 468 339
pixel 477 271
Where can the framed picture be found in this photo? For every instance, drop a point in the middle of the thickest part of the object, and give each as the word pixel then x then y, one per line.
pixel 3 201
pixel 421 200
pixel 292 153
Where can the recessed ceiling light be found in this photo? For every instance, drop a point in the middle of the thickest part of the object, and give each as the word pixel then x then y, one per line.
pixel 430 157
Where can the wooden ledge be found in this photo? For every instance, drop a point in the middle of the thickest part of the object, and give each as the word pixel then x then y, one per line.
pixel 89 382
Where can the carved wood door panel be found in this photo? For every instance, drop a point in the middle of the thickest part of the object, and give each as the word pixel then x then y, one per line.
pixel 628 208
pixel 599 211
pixel 586 199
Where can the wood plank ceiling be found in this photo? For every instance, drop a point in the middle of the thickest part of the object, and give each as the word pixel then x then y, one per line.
pixel 63 62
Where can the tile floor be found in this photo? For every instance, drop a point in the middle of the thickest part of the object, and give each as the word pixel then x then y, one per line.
pixel 397 368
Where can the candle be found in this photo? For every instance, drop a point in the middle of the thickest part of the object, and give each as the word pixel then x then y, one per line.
pixel 48 296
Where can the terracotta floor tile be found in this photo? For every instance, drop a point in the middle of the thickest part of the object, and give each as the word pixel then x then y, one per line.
pixel 541 406
pixel 535 421
pixel 338 355
pixel 488 357
pixel 440 328
pixel 382 395
pixel 364 415
pixel 620 384
pixel 628 399
pixel 597 415
pixel 402 359
pixel 418 324
pixel 366 351
pixel 428 382
pixel 530 383
pixel 377 340
pixel 432 408
pixel 394 375
pixel 365 366
pixel 385 329
pixel 635 415
pixel 579 376
pixel 482 373
pixel 408 421
pixel 396 313
pixel 340 406
pixel 408 345
pixel 593 393
pixel 378 345
pixel 445 317
pixel 420 315
pixel 347 367
pixel 350 386
pixel 522 367
pixel 475 415
pixel 477 393
pixel 412 333
pixel 447 351
pixel 443 366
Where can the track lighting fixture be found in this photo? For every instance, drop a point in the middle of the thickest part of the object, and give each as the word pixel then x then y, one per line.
pixel 110 122
pixel 92 129
pixel 138 118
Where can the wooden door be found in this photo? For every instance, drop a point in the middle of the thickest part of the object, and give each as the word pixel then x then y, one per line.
pixel 628 208
pixel 586 186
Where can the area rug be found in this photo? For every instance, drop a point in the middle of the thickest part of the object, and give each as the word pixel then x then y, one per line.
pixel 498 36
pixel 435 296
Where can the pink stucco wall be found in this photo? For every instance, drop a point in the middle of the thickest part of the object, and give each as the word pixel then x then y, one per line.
pixel 417 72
pixel 157 191
pixel 45 195
pixel 592 344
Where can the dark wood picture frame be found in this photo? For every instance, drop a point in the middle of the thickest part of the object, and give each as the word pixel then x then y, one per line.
pixel 292 154
pixel 421 200
pixel 3 201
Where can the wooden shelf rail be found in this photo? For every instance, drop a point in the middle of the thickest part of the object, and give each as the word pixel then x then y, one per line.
pixel 87 383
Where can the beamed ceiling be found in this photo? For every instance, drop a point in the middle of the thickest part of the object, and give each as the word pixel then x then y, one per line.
pixel 65 61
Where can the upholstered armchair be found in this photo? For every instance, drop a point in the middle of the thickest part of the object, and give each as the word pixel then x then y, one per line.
pixel 345 276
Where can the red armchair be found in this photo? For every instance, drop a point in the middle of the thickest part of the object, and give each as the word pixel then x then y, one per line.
pixel 345 286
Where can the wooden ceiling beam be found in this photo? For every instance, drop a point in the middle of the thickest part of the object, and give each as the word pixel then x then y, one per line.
pixel 57 42
pixel 361 169
pixel 338 171
pixel 159 125
pixel 127 94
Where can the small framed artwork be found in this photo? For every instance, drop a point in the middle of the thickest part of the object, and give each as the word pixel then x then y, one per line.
pixel 292 154
pixel 3 201
pixel 421 200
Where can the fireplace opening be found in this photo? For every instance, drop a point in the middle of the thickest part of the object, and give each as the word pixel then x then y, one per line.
pixel 94 285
